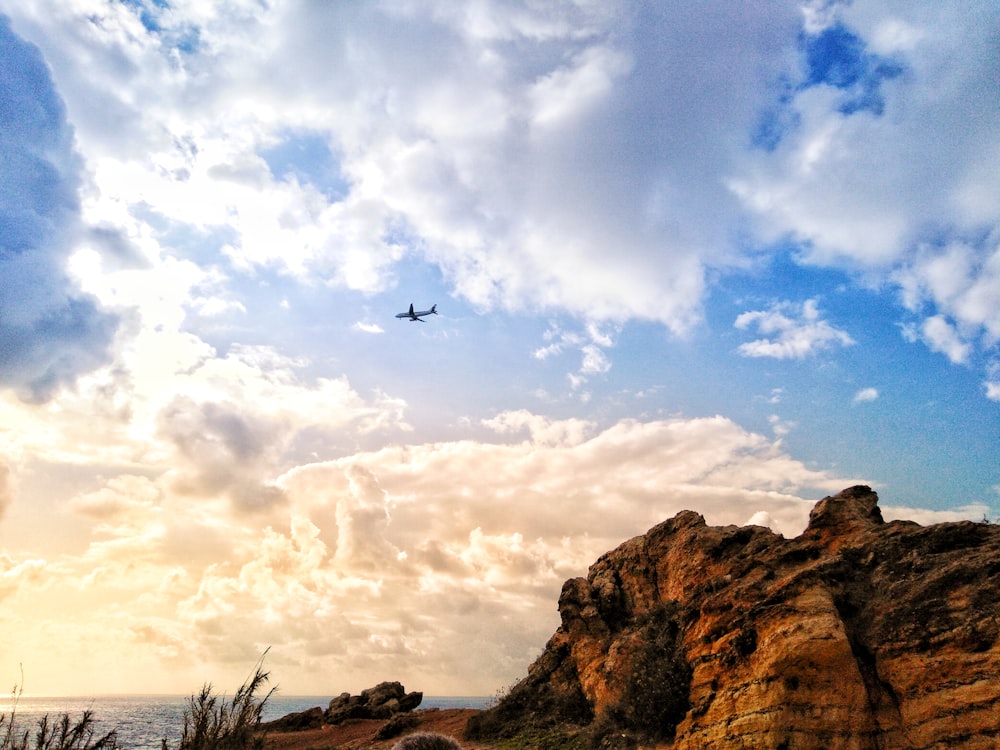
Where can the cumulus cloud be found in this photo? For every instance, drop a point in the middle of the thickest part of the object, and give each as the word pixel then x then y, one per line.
pixel 795 337
pixel 542 430
pixel 178 418
pixel 50 332
pixel 387 558
pixel 236 420
pixel 14 574
pixel 760 518
pixel 528 145
pixel 381 561
pixel 226 445
pixel 855 123
pixel 515 154
pixel 941 336
pixel 961 280
pixel 120 501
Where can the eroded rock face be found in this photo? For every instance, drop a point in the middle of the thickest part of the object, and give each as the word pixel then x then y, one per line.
pixel 858 634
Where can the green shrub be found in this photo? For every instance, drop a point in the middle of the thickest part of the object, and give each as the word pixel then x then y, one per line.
pixel 657 688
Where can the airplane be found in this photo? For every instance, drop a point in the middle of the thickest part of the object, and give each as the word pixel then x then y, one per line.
pixel 418 315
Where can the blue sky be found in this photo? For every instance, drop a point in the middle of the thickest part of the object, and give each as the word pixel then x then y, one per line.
pixel 723 257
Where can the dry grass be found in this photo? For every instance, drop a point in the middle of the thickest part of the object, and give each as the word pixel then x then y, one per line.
pixel 210 723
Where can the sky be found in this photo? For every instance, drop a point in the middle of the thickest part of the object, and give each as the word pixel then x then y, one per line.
pixel 725 257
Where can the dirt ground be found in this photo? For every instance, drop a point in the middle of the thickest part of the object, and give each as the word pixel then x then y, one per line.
pixel 355 734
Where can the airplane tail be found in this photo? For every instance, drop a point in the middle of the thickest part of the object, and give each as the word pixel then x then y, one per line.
pixel 434 309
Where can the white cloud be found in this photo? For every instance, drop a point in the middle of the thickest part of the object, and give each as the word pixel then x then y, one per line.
pixel 542 430
pixel 121 501
pixel 504 153
pixel 595 361
pixel 866 394
pixel 961 280
pixel 795 337
pixel 941 336
pixel 14 574
pixel 760 518
pixel 992 383
pixel 215 424
pixel 780 427
pixel 842 182
pixel 368 327
pixel 570 93
pixel 379 562
pixel 528 146
pixel 590 342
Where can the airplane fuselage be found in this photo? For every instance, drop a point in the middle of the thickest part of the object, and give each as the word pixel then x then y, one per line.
pixel 418 315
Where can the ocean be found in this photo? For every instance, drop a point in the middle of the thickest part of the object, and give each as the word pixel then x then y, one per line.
pixel 143 721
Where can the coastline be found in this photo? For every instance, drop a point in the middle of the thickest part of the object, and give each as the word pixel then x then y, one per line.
pixel 142 721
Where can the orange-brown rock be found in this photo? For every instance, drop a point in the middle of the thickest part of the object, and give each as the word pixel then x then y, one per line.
pixel 856 635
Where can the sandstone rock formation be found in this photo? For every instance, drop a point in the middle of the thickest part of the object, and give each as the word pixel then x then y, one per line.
pixel 856 635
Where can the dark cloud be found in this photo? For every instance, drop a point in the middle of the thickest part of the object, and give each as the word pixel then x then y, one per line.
pixel 115 247
pixel 228 450
pixel 50 331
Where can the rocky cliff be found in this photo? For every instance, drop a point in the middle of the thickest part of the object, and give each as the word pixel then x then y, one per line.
pixel 857 634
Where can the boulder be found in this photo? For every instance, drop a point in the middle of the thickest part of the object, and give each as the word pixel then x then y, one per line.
pixel 379 702
pixel 310 719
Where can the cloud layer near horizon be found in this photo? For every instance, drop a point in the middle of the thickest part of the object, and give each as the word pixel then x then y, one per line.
pixel 380 565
